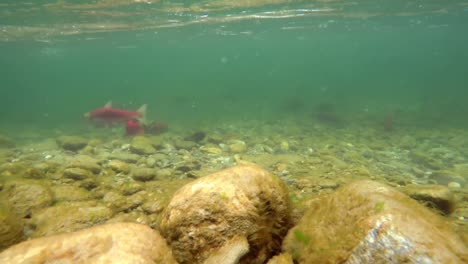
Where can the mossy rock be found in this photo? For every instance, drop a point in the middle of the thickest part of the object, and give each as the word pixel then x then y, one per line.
pixel 72 143
pixel 27 196
pixel 369 222
pixel 142 146
pixel 68 217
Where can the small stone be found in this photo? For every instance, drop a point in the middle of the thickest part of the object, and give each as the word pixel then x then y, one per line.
pixel 196 137
pixel 131 188
pixel 72 143
pixel 454 185
pixel 119 166
pixel 238 146
pixel 150 162
pixel 85 162
pixel 152 207
pixel 88 184
pixel 211 150
pixel 284 146
pixel 184 144
pixel 135 200
pixel 165 173
pixel 143 174
pixel 76 173
pixel 141 145
pixel 115 201
pixel 328 184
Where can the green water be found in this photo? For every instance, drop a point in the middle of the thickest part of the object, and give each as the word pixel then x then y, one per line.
pixel 272 61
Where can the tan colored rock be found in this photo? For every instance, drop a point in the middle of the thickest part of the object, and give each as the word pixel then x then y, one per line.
pixel 369 222
pixel 242 201
pixel 110 243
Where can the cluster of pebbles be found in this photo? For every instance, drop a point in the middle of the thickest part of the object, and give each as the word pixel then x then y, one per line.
pixel 69 183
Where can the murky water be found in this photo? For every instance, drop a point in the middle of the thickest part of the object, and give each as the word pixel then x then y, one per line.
pixel 319 93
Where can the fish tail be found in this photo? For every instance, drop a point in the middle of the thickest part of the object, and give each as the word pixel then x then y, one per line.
pixel 142 112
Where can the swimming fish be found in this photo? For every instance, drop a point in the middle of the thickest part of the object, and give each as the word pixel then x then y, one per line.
pixel 108 114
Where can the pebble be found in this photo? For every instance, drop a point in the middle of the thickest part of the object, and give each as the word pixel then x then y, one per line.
pixel 76 173
pixel 211 150
pixel 143 174
pixel 72 143
pixel 284 146
pixel 238 146
pixel 119 166
pixel 454 185
pixel 150 162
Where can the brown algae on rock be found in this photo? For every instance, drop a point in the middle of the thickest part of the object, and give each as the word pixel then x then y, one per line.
pixel 244 201
pixel 369 222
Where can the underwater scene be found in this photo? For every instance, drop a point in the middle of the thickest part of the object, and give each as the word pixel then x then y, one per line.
pixel 224 131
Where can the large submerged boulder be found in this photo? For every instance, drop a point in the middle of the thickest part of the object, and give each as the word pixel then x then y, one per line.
pixel 111 243
pixel 236 215
pixel 369 222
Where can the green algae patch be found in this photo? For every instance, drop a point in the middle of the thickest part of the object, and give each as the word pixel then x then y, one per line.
pixel 379 207
pixel 301 237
